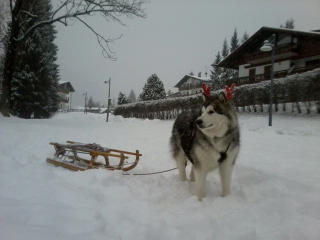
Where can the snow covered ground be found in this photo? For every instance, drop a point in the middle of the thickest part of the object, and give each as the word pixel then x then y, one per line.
pixel 275 190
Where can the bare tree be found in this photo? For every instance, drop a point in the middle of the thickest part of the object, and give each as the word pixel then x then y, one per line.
pixel 66 12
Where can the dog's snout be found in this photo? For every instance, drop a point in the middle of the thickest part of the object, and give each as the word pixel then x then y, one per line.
pixel 199 122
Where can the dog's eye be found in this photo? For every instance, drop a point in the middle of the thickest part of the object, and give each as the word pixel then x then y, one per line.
pixel 211 111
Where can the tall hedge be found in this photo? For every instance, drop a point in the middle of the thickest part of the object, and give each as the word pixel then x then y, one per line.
pixel 296 88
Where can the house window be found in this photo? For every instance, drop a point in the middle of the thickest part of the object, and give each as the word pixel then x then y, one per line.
pixel 252 74
pixel 267 72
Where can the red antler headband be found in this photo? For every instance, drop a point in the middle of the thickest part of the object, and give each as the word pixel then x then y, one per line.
pixel 229 91
pixel 206 90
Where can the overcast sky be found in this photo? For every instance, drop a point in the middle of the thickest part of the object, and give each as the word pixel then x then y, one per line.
pixel 176 37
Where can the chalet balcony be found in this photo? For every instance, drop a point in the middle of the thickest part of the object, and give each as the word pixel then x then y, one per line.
pixel 186 88
pixel 64 99
pixel 281 53
pixel 262 77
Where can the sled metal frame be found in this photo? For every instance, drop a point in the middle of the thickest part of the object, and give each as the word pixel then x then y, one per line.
pixel 66 155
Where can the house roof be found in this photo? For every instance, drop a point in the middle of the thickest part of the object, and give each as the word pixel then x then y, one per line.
pixel 256 40
pixel 66 86
pixel 186 77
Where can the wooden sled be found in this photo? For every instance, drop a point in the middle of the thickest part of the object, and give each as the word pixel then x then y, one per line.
pixel 67 156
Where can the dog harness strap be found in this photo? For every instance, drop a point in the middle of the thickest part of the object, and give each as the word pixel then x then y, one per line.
pixel 223 155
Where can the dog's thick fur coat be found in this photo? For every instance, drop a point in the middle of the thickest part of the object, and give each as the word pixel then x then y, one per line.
pixel 209 139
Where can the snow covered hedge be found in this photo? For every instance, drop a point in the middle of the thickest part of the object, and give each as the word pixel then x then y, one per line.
pixel 304 87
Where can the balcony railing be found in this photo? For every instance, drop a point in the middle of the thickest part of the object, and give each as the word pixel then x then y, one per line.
pixel 280 52
pixel 262 77
pixel 64 99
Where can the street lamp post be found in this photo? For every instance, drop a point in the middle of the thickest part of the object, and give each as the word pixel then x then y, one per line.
pixel 109 99
pixel 267 47
pixel 70 102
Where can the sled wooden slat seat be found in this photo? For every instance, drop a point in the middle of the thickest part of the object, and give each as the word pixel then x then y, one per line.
pixel 67 156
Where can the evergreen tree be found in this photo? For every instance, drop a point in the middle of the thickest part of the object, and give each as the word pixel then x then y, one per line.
pixel 245 37
pixel 35 74
pixel 4 19
pixel 90 103
pixel 132 96
pixel 153 89
pixel 216 73
pixel 226 74
pixel 234 42
pixel 289 24
pixel 225 49
pixel 1 71
pixel 122 99
pixel 66 12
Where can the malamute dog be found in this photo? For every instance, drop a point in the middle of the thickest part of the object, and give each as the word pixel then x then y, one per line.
pixel 209 139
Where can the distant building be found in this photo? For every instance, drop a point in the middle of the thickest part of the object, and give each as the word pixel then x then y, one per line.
pixel 190 85
pixel 65 89
pixel 295 52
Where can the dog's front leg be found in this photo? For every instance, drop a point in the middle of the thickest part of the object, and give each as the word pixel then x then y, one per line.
pixel 200 177
pixel 225 170
pixel 192 174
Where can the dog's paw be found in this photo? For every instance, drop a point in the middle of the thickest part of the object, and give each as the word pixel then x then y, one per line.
pixel 201 196
pixel 192 179
pixel 183 178
pixel 225 194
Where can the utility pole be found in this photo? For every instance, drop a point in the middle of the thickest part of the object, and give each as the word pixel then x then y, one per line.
pixel 85 103
pixel 109 99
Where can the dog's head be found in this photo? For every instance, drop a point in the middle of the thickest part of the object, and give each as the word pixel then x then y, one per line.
pixel 215 115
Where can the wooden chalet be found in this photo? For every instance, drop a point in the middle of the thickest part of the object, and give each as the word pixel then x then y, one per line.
pixel 190 85
pixel 295 52
pixel 65 90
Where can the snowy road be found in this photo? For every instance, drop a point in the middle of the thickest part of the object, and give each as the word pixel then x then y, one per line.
pixel 275 190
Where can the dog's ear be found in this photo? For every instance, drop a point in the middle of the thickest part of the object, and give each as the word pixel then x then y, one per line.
pixel 222 97
pixel 205 92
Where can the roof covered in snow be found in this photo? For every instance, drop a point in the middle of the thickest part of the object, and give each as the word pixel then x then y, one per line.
pixel 187 77
pixel 66 86
pixel 256 40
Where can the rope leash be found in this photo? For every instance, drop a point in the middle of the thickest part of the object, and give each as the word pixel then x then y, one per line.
pixel 151 173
